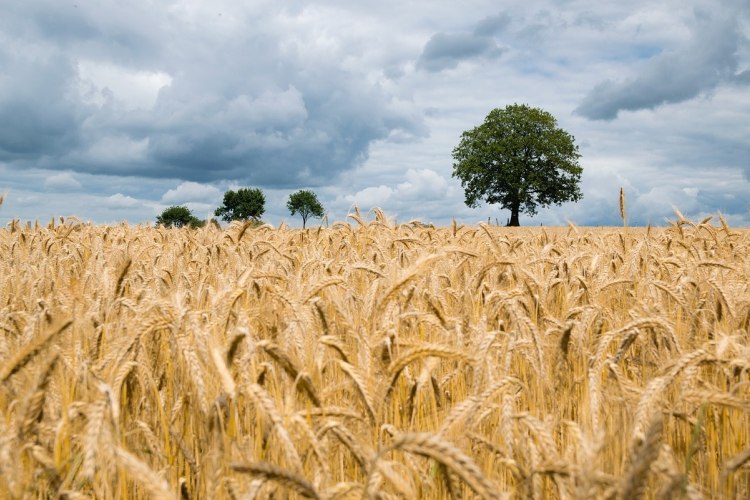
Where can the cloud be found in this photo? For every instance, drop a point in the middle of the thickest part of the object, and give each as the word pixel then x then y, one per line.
pixel 257 95
pixel 134 89
pixel 589 19
pixel 659 200
pixel 424 187
pixel 447 50
pixel 492 25
pixel 37 117
pixel 31 199
pixel 371 197
pixel 61 182
pixel 363 102
pixel 120 201
pixel 201 210
pixel 742 78
pixel 192 192
pixel 707 59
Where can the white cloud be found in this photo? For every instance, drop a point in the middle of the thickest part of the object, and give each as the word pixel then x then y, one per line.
pixel 120 201
pixel 423 194
pixel 201 210
pixel 28 200
pixel 371 197
pixel 658 202
pixel 424 185
pixel 61 182
pixel 103 82
pixel 421 186
pixel 188 192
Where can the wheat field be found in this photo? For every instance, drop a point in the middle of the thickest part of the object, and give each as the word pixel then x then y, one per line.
pixel 375 361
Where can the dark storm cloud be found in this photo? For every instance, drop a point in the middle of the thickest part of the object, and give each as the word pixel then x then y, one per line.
pixel 36 117
pixel 243 102
pixel 447 50
pixel 707 60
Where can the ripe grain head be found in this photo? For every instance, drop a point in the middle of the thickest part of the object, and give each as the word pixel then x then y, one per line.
pixel 510 361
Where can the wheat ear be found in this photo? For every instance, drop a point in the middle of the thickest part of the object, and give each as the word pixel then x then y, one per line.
pixel 194 368
pixel 25 355
pixel 650 400
pixel 94 428
pixel 157 488
pixel 234 345
pixel 221 367
pixel 717 398
pixel 346 437
pixel 405 278
pixel 151 441
pixel 736 462
pixel 445 453
pixel 285 478
pixel 124 268
pixel 73 495
pixel 635 481
pixel 263 401
pixel 361 388
pixel 334 280
pixel 34 406
pixel 397 366
pixel 336 344
pixel 290 367
pixel 344 490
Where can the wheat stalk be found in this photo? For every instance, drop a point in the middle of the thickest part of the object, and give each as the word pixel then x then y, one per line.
pixel 508 362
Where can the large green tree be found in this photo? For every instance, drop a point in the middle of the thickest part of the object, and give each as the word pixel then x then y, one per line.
pixel 243 204
pixel 306 204
pixel 178 217
pixel 518 158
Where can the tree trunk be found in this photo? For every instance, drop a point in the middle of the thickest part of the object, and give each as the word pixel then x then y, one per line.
pixel 514 219
pixel 514 216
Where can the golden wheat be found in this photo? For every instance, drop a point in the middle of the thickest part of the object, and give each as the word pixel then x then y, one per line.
pixel 377 361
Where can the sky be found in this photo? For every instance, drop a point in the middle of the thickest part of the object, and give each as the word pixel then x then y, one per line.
pixel 114 110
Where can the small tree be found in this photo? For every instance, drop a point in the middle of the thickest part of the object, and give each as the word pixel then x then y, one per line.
pixel 178 217
pixel 244 204
pixel 306 204
pixel 519 159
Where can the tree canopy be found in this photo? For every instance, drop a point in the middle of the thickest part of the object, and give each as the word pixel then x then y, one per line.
pixel 306 204
pixel 243 204
pixel 178 216
pixel 518 158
